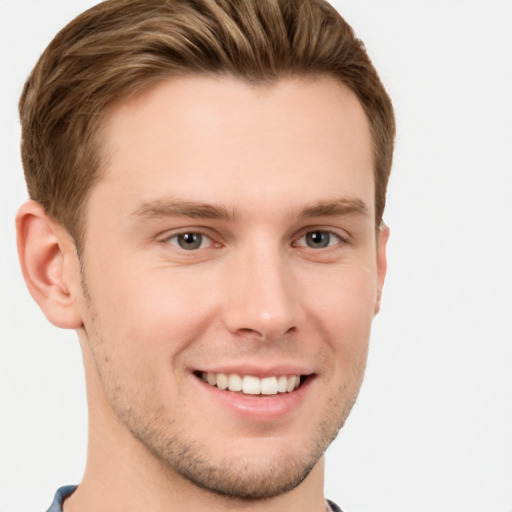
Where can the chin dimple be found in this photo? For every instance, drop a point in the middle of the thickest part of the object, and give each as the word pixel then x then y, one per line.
pixel 251 385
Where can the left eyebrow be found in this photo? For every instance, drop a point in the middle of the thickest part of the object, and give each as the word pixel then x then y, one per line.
pixel 335 207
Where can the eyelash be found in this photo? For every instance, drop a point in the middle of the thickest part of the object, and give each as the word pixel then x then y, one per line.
pixel 176 236
pixel 325 234
pixel 205 238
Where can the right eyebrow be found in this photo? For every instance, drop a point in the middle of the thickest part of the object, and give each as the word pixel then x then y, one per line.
pixel 179 208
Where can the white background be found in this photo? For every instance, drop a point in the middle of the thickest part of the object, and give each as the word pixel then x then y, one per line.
pixel 432 430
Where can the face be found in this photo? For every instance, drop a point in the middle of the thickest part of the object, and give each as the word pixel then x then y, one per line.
pixel 231 271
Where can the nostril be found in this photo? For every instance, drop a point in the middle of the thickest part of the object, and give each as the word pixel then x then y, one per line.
pixel 265 334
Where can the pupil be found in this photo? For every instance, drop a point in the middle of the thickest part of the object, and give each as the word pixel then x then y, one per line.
pixel 190 241
pixel 318 239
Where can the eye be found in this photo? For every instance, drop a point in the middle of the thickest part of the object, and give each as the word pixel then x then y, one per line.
pixel 318 239
pixel 190 241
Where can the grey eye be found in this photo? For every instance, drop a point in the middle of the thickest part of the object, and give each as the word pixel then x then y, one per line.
pixel 189 241
pixel 318 239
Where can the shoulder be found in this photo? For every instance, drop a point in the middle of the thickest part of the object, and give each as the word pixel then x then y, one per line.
pixel 61 494
pixel 333 507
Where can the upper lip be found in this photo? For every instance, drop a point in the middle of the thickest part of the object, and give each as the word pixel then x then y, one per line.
pixel 258 370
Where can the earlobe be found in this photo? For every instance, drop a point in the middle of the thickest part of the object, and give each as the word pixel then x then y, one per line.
pixel 47 255
pixel 382 264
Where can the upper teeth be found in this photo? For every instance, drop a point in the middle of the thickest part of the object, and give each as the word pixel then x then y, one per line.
pixel 252 385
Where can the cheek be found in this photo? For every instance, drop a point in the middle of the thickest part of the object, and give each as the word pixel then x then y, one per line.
pixel 343 311
pixel 344 299
pixel 158 308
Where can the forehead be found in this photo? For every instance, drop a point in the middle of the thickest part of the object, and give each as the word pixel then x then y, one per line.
pixel 229 141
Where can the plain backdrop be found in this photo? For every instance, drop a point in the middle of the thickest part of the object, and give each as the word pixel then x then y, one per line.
pixel 432 429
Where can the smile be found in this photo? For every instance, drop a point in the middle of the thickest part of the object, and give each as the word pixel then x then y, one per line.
pixel 251 385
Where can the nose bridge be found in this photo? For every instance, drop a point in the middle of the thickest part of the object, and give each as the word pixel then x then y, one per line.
pixel 260 299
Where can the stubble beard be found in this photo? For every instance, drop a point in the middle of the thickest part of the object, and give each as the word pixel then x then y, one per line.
pixel 242 478
pixel 233 476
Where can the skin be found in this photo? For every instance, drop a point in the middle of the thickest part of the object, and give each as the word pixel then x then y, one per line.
pixel 274 164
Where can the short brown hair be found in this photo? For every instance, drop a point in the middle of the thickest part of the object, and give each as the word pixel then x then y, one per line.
pixel 121 47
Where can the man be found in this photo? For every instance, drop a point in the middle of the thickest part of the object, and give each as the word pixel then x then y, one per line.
pixel 207 184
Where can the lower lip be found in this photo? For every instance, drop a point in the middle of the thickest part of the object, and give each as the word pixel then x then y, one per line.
pixel 258 407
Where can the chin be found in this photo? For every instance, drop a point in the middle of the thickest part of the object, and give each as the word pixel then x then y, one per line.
pixel 261 470
pixel 247 479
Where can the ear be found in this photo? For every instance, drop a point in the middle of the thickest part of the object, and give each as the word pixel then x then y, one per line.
pixel 50 266
pixel 382 263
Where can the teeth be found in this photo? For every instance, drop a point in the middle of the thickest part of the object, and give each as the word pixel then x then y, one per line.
pixel 282 384
pixel 222 381
pixel 269 386
pixel 291 383
pixel 234 382
pixel 251 385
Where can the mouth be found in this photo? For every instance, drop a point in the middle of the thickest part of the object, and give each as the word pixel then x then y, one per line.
pixel 252 385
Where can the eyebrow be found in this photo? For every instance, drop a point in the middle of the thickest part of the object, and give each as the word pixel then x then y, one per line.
pixel 179 208
pixel 196 210
pixel 335 207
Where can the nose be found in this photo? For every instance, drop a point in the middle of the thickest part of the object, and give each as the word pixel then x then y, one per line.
pixel 260 300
